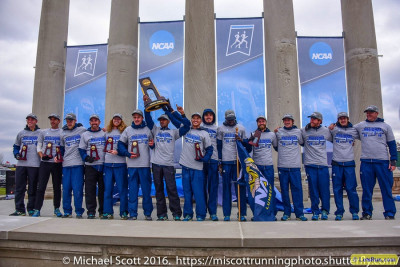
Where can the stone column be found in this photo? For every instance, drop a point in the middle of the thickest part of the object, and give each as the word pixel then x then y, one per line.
pixel 48 92
pixel 362 66
pixel 122 79
pixel 200 77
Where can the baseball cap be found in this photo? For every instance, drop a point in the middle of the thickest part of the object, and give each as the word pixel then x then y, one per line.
pixel 372 108
pixel 94 116
pixel 163 117
pixel 70 116
pixel 316 115
pixel 54 115
pixel 342 114
pixel 196 114
pixel 230 115
pixel 31 115
pixel 288 116
pixel 117 115
pixel 261 117
pixel 137 111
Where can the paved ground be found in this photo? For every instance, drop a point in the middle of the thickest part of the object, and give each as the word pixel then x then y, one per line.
pixel 7 207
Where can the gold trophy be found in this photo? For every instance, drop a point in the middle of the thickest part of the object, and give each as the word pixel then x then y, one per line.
pixel 155 100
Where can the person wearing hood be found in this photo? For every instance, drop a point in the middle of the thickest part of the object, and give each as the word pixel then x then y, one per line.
pixel 134 144
pixel 315 137
pixel 91 148
pixel 290 139
pixel 262 147
pixel 197 149
pixel 378 161
pixel 48 142
pixel 211 179
pixel 28 162
pixel 73 169
pixel 227 153
pixel 343 165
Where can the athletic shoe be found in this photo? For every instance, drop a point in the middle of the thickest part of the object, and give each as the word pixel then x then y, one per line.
pixel 366 217
pixel 389 217
pixel 339 217
pixel 285 218
pixel 30 212
pixel 199 219
pixel 148 218
pixel 78 216
pixel 91 216
pixel 132 218
pixel 107 216
pixel 315 217
pixel 67 215
pixel 302 218
pixel 124 216
pixel 214 218
pixel 227 218
pixel 355 216
pixel 57 213
pixel 324 215
pixel 165 218
pixel 176 218
pixel 36 213
pixel 188 218
pixel 18 213
pixel 243 218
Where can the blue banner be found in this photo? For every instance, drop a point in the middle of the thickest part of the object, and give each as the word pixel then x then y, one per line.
pixel 161 59
pixel 322 77
pixel 85 82
pixel 240 67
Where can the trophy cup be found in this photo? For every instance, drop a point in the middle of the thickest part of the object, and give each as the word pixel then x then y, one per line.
pixel 257 135
pixel 135 149
pixel 49 149
pixel 199 155
pixel 58 154
pixel 155 100
pixel 93 151
pixel 23 152
pixel 109 144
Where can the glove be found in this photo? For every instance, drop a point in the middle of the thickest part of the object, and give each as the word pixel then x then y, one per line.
pixel 45 157
pixel 17 156
pixel 89 159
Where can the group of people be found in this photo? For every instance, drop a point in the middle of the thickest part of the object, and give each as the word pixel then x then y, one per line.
pixel 95 159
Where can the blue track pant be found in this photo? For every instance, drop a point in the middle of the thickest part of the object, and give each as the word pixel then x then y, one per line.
pixel 211 171
pixel 229 176
pixel 193 185
pixel 142 177
pixel 116 175
pixel 318 185
pixel 344 177
pixel 73 181
pixel 370 171
pixel 292 177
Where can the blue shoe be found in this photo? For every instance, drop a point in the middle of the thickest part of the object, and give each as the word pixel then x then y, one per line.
pixel 188 218
pixel 199 219
pixel 227 218
pixel 285 218
pixel 36 213
pixel 355 217
pixel 30 212
pixel 124 216
pixel 91 216
pixel 243 219
pixel 176 218
pixel 324 215
pixel 315 217
pixel 214 218
pixel 339 217
pixel 58 213
pixel 163 218
pixel 107 216
pixel 302 218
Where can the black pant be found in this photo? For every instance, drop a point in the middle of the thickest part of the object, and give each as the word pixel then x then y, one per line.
pixel 93 178
pixel 23 176
pixel 168 172
pixel 47 168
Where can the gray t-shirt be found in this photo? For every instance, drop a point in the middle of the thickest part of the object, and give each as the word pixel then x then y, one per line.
pixel 343 141
pixel 142 137
pixel 188 154
pixel 227 135
pixel 374 137
pixel 262 154
pixel 114 136
pixel 289 153
pixel 30 140
pixel 164 141
pixel 70 139
pixel 315 145
pixel 212 132
pixel 49 137
pixel 96 139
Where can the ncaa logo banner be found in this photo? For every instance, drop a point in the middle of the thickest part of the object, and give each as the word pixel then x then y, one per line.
pixel 85 81
pixel 322 77
pixel 240 69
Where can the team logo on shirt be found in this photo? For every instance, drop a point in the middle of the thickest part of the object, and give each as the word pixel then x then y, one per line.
pixel 191 138
pixel 140 138
pixel 290 140
pixel 264 143
pixel 52 139
pixel 97 141
pixel 229 137
pixel 29 140
pixel 86 62
pixel 372 131
pixel 72 140
pixel 240 39
pixel 341 138
pixel 318 140
pixel 164 137
pixel 211 133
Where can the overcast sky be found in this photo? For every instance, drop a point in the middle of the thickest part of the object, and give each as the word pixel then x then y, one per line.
pixel 89 24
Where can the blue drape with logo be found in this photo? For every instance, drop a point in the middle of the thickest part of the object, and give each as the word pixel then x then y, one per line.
pixel 85 81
